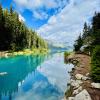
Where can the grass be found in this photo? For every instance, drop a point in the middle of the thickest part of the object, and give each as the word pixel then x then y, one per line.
pixel 67 53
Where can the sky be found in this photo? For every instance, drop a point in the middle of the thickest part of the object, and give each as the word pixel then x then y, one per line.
pixel 59 21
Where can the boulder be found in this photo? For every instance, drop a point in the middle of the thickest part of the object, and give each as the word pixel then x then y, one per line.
pixel 85 78
pixel 70 98
pixel 87 74
pixel 3 73
pixel 96 85
pixel 84 95
pixel 77 90
pixel 6 55
pixel 75 83
pixel 64 98
pixel 79 76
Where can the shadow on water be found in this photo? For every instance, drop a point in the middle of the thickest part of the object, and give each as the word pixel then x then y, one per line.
pixel 17 69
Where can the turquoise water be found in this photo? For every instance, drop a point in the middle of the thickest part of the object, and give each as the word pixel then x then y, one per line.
pixel 34 77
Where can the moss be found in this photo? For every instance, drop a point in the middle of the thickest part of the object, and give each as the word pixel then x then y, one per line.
pixel 69 92
pixel 66 53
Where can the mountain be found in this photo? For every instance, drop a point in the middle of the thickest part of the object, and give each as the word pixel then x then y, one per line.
pixel 58 46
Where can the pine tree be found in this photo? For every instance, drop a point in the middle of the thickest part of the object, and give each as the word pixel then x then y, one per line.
pixel 11 9
pixel 86 31
pixel 78 44
pixel 14 35
pixel 1 15
pixel 95 65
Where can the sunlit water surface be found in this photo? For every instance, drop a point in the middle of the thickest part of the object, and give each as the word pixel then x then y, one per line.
pixel 34 77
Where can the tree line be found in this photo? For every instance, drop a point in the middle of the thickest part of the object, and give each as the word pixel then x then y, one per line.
pixel 14 35
pixel 89 41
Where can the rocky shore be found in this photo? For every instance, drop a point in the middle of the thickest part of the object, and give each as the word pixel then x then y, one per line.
pixel 81 86
pixel 7 54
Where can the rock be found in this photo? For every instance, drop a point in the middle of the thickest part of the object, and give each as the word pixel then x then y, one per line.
pixel 87 74
pixel 82 48
pixel 79 76
pixel 74 61
pixel 85 78
pixel 6 55
pixel 70 98
pixel 77 90
pixel 82 66
pixel 96 85
pixel 84 95
pixel 3 73
pixel 75 83
pixel 64 98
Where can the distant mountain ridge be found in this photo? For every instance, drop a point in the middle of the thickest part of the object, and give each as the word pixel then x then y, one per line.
pixel 57 46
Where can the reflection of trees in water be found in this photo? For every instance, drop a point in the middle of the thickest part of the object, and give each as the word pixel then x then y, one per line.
pixel 18 69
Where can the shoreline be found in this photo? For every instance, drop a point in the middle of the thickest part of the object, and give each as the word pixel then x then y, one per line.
pixel 81 83
pixel 7 54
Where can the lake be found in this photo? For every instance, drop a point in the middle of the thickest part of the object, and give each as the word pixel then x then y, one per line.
pixel 39 77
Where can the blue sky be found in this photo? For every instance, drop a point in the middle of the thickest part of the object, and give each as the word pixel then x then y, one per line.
pixel 56 20
pixel 35 12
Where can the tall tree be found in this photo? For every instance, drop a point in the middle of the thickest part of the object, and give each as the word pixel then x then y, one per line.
pixel 86 31
pixel 11 9
pixel 78 43
pixel 14 35
pixel 1 15
pixel 96 29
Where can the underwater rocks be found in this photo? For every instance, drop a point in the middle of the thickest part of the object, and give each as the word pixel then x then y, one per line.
pixel 3 73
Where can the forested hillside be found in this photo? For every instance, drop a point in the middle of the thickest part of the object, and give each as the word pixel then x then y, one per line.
pixel 89 43
pixel 14 35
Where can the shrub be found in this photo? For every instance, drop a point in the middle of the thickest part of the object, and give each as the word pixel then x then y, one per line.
pixel 95 64
pixel 67 53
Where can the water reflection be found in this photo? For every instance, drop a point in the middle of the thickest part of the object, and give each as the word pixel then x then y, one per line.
pixel 17 68
pixel 34 77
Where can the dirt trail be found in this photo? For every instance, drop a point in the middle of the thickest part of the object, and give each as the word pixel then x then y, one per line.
pixel 84 68
pixel 84 64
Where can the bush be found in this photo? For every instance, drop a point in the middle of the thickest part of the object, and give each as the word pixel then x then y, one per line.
pixel 67 53
pixel 95 64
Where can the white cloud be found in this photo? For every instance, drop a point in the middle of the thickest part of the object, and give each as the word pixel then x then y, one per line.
pixel 40 15
pixel 28 3
pixel 49 71
pixel 67 25
pixel 34 5
pixel 21 18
